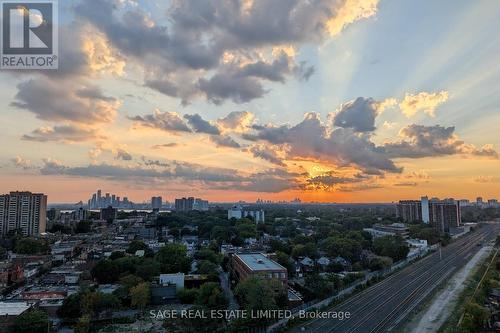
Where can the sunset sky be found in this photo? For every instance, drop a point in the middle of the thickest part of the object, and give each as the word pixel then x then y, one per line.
pixel 325 100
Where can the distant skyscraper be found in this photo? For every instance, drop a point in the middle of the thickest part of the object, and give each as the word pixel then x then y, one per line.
pixel 156 202
pixel 479 201
pixel 24 211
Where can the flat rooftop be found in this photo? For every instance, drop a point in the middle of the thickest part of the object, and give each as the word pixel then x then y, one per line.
pixel 259 262
pixel 13 308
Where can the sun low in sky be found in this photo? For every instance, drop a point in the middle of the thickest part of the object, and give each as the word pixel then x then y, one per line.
pixel 329 100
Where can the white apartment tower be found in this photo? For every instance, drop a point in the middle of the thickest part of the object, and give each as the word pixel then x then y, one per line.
pixel 425 209
pixel 24 211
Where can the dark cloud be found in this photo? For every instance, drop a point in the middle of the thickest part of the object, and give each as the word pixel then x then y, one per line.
pixel 63 133
pixel 311 139
pixel 330 180
pixel 154 171
pixel 359 115
pixel 122 154
pixel 200 35
pixel 236 121
pixel 406 184
pixel 166 121
pixel 67 100
pixel 274 71
pixel 199 125
pixel 426 141
pixel 231 86
pixel 166 145
pixel 157 163
pixel 224 141
pixel 266 153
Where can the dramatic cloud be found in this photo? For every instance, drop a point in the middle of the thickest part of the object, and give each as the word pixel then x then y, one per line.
pixel 199 125
pixel 166 121
pixel 219 49
pixel 122 154
pixel 425 141
pixel 331 180
pixel 236 121
pixel 20 162
pixel 224 141
pixel 65 101
pixel 311 139
pixel 422 102
pixel 230 86
pixel 273 180
pixel 267 153
pixel 359 115
pixel 64 133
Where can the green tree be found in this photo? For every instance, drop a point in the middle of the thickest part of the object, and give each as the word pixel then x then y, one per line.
pixel 210 295
pixel 480 314
pixel 391 246
pixel 106 302
pixel 347 248
pixel 140 295
pixel 129 281
pixel 303 250
pixel 148 269
pixel 83 324
pixel 137 245
pixel 31 246
pixel 187 296
pixel 378 263
pixel 71 307
pixel 116 255
pixel 284 260
pixel 3 253
pixel 173 258
pixel 258 294
pixel 106 271
pixel 31 321
pixel 83 227
pixel 207 267
pixel 208 254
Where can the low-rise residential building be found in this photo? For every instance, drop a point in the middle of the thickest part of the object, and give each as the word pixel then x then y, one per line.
pixel 245 265
pixel 9 311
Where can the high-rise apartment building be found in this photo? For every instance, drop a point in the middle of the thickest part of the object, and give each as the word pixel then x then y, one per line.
pixel 191 203
pixel 442 214
pixel 238 212
pixel 410 210
pixel 23 211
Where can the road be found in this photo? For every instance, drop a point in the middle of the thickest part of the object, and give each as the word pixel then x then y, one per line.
pixel 383 306
pixel 226 288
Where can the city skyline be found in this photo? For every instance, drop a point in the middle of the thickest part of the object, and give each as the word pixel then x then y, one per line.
pixel 369 101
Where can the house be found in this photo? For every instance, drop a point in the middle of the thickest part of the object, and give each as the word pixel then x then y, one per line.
pixel 323 262
pixel 307 263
